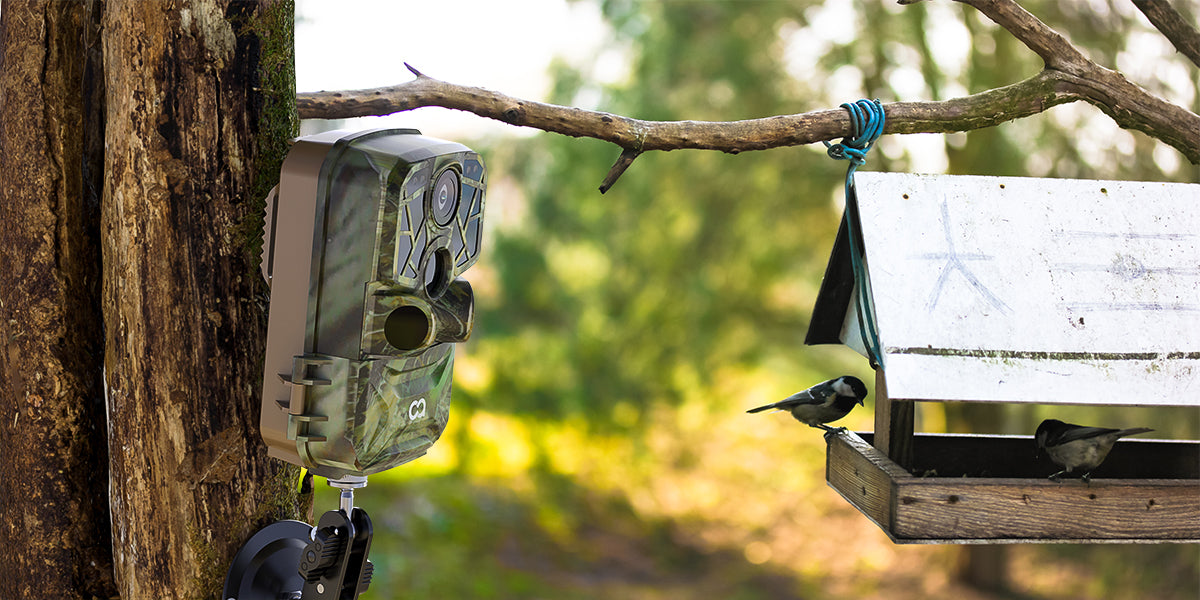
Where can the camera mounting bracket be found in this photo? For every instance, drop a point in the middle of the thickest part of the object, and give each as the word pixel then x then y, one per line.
pixel 292 560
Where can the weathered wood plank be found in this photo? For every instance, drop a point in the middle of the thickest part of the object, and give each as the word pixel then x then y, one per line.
pixel 893 424
pixel 1023 508
pixel 961 509
pixel 863 476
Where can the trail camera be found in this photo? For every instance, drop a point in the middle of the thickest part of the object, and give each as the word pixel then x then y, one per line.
pixel 366 238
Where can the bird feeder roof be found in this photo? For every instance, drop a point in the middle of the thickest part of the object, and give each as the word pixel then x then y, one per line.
pixel 1006 289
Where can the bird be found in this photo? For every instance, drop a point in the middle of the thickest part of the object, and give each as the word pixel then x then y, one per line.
pixel 1078 448
pixel 822 403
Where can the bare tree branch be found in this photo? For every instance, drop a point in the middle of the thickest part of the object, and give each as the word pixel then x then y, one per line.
pixel 1131 106
pixel 1069 76
pixel 1166 19
pixel 618 169
pixel 1055 50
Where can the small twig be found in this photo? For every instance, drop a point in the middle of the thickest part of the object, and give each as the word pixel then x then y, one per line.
pixel 618 168
pixel 1056 51
pixel 1171 24
pixel 1128 104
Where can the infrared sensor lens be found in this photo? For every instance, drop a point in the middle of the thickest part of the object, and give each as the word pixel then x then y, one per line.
pixel 437 273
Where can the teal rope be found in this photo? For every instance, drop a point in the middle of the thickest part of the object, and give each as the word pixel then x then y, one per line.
pixel 866 124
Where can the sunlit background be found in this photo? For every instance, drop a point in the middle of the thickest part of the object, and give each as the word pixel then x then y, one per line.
pixel 598 445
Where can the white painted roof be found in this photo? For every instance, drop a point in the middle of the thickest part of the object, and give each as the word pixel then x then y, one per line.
pixel 1010 289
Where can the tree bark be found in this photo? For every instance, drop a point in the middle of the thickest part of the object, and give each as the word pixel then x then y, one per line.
pixel 182 297
pixel 53 509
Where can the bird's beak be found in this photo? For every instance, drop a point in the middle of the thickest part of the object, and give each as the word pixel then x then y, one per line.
pixel 860 402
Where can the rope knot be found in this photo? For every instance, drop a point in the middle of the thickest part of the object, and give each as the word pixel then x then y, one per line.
pixel 866 124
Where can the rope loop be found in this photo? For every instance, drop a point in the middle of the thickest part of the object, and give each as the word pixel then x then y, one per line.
pixel 866 124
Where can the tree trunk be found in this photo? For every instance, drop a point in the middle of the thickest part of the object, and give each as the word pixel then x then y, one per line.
pixel 182 298
pixel 53 507
pixel 181 113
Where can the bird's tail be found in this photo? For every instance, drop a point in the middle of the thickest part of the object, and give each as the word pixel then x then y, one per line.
pixel 1132 431
pixel 762 408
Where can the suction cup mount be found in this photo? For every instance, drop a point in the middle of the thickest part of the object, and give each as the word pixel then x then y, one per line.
pixel 265 568
pixel 292 560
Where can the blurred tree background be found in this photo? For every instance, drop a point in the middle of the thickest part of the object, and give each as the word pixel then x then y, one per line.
pixel 598 445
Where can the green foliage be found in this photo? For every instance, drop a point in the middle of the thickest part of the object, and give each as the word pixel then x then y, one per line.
pixel 694 263
pixel 598 446
pixel 700 261
pixel 455 538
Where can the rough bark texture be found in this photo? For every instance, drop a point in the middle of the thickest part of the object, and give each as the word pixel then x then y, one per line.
pixel 184 318
pixel 53 506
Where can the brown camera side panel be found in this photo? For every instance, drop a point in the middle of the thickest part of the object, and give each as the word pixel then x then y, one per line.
pixel 295 212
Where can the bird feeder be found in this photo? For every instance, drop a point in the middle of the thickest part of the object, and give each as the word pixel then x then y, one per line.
pixel 1016 290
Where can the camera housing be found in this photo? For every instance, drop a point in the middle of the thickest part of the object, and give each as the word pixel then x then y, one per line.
pixel 366 237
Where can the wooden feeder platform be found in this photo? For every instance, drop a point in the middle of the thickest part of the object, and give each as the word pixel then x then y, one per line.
pixel 1017 290
pixel 971 489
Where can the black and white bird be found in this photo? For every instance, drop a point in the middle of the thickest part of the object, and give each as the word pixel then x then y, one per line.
pixel 822 403
pixel 1076 448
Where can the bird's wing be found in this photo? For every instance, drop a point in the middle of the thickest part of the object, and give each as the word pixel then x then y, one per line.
pixel 1133 431
pixel 1077 432
pixel 804 397
pixel 774 405
pixel 817 394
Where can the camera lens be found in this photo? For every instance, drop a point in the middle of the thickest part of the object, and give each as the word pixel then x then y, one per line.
pixel 445 197
pixel 406 328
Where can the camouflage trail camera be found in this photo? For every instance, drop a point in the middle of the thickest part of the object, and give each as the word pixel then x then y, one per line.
pixel 366 237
